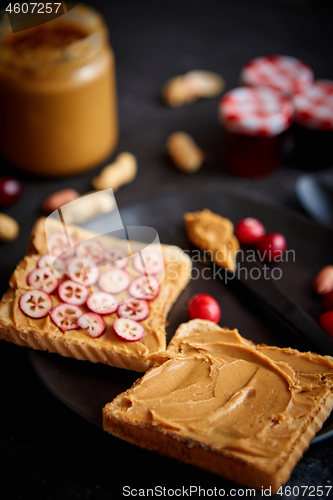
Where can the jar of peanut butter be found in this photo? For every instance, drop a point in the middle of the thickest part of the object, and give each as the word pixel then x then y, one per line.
pixel 58 113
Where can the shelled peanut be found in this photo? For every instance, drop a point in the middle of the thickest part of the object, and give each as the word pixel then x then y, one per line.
pixel 9 228
pixel 122 171
pixel 196 84
pixel 184 152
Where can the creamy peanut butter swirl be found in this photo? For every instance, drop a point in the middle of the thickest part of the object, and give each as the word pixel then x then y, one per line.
pixel 221 390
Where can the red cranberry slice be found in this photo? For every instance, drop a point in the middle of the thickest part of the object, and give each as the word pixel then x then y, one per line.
pixel 93 323
pixel 35 303
pixel 73 293
pixel 144 287
pixel 116 256
pixel 65 316
pixel 127 329
pixel 102 303
pixel 82 271
pixel 148 262
pixel 114 281
pixel 42 279
pixel 136 309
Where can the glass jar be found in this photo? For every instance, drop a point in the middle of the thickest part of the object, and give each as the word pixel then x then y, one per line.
pixel 58 94
pixel 284 73
pixel 313 129
pixel 255 122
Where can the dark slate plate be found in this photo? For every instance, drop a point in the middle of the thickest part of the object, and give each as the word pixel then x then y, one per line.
pixel 86 387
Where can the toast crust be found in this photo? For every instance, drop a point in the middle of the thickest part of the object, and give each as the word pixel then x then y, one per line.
pixel 300 385
pixel 44 335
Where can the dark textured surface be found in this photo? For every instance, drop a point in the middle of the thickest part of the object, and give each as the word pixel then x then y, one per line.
pixel 47 451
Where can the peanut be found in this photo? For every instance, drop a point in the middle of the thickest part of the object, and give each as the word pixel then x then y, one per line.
pixel 115 175
pixel 58 199
pixel 9 228
pixel 88 206
pixel 184 152
pixel 194 85
pixel 323 282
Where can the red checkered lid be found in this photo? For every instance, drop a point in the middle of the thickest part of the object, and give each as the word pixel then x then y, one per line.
pixel 284 73
pixel 256 111
pixel 314 106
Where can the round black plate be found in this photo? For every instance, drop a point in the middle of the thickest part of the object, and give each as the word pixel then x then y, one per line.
pixel 86 387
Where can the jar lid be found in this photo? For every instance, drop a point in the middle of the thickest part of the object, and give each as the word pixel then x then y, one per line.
pixel 256 111
pixel 314 106
pixel 284 73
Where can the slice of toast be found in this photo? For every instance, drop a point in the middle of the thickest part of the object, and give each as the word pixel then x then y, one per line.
pixel 221 403
pixel 43 334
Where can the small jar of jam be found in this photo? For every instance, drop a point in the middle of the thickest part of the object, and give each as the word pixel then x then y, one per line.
pixel 57 94
pixel 255 122
pixel 313 129
pixel 284 73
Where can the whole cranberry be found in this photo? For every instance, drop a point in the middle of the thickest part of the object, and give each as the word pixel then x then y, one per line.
pixel 326 322
pixel 249 231
pixel 10 191
pixel 271 246
pixel 204 306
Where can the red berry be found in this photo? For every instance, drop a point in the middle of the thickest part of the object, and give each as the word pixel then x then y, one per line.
pixel 203 306
pixel 10 191
pixel 249 231
pixel 327 302
pixel 271 246
pixel 326 322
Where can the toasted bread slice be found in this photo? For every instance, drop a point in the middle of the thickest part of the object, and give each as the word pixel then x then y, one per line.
pixel 221 403
pixel 43 333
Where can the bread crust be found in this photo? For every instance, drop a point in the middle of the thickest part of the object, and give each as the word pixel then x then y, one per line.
pixel 207 458
pixel 87 348
pixel 251 470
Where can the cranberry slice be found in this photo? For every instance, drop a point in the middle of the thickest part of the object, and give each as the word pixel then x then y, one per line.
pixel 136 309
pixel 82 271
pixel 93 323
pixel 73 293
pixel 57 268
pixel 35 303
pixel 42 279
pixel 114 281
pixel 148 262
pixel 92 250
pixel 116 256
pixel 61 245
pixel 144 287
pixel 127 329
pixel 102 303
pixel 65 316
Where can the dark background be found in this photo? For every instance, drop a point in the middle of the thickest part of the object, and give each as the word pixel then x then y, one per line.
pixel 47 451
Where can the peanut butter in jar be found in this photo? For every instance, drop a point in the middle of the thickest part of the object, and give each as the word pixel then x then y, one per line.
pixel 58 94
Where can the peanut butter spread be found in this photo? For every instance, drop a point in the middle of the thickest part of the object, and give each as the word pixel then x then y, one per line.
pixel 213 234
pixel 221 390
pixel 177 273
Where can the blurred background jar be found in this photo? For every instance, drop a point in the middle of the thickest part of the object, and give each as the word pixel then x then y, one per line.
pixel 285 73
pixel 255 123
pixel 313 129
pixel 58 94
